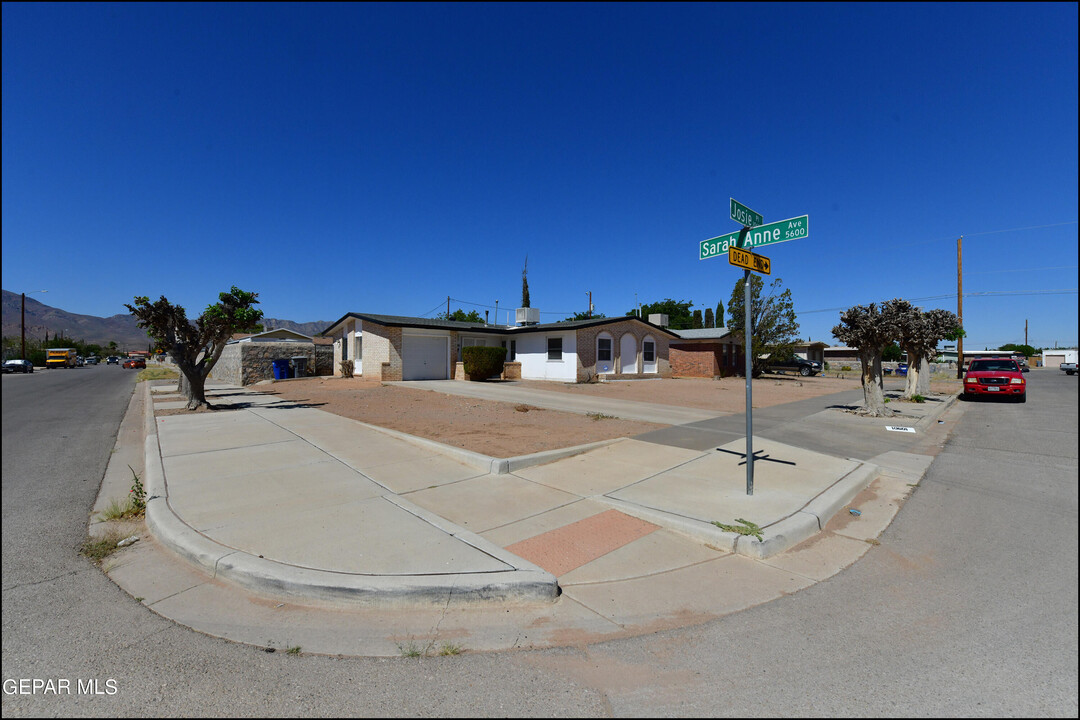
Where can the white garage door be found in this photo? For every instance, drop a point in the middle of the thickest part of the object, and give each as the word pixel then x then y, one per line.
pixel 424 357
pixel 1054 361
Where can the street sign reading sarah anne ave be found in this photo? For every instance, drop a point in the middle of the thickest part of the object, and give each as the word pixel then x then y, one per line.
pixel 777 232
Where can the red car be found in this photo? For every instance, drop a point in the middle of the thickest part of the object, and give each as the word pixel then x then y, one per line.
pixel 1001 377
pixel 133 363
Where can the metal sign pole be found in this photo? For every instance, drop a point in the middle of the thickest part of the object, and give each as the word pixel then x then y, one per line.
pixel 748 338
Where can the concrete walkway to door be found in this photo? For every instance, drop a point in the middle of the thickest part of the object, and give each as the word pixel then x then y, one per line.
pixel 509 391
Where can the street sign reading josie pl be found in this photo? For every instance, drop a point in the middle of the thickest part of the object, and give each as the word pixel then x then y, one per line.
pixel 777 232
pixel 744 215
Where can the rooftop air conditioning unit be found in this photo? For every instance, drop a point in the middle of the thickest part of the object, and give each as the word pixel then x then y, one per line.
pixel 528 316
pixel 657 319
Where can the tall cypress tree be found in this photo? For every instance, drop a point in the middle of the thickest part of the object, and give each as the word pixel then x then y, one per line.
pixel 720 314
pixel 525 284
pixel 709 322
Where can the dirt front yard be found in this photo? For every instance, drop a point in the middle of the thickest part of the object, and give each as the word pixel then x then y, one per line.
pixel 505 430
pixel 492 428
pixel 728 395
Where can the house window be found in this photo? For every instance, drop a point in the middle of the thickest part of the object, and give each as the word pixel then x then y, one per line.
pixel 554 348
pixel 603 350
pixel 648 351
pixel 470 342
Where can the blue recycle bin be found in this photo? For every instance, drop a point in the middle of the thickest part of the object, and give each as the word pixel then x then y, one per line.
pixel 282 371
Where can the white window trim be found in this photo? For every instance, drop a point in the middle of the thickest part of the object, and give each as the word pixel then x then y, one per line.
pixel 562 352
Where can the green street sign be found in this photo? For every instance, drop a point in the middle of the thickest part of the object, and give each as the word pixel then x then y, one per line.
pixel 777 232
pixel 744 215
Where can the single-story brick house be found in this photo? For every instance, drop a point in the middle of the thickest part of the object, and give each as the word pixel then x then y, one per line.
pixel 714 352
pixel 390 347
pixel 707 353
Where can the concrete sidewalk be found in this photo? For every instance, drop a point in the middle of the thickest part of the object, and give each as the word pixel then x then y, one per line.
pixel 357 533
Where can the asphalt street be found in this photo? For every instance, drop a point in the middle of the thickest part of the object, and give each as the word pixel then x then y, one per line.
pixel 967 607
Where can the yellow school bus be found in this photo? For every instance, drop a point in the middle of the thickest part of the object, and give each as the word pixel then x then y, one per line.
pixel 60 358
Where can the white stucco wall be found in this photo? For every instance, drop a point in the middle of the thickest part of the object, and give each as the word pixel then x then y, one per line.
pixel 532 354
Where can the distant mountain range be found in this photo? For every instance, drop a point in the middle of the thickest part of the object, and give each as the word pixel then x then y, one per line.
pixel 41 318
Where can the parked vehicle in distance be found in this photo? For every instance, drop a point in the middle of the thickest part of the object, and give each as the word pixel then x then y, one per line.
pixel 995 376
pixel 112 360
pixel 21 366
pixel 1069 368
pixel 60 358
pixel 92 360
pixel 133 363
pixel 804 367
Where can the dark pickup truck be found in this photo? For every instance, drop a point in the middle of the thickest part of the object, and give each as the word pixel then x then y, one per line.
pixel 804 367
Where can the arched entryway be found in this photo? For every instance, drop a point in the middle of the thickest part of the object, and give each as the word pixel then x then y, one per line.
pixel 628 354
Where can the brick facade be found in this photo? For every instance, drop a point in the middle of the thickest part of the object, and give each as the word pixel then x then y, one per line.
pixel 587 369
pixel 706 359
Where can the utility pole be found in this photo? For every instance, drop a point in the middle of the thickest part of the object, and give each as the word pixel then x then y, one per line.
pixel 447 307
pixel 589 293
pixel 1025 331
pixel 960 305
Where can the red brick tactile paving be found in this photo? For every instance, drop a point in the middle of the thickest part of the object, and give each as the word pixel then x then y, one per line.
pixel 564 549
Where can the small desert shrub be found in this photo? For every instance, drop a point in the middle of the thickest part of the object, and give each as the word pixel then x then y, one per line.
pixel 346 368
pixel 481 362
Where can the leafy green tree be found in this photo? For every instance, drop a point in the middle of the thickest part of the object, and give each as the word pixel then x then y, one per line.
pixel 774 329
pixel 585 315
pixel 678 312
pixel 892 353
pixel 196 347
pixel 1025 350
pixel 710 322
pixel 720 314
pixel 695 321
pixel 460 315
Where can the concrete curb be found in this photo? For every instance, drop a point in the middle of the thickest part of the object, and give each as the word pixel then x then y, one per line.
pixel 486 463
pixel 937 412
pixel 811 519
pixel 777 537
pixel 522 582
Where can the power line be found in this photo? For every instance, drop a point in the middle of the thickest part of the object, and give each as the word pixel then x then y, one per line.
pixel 1054 267
pixel 1031 227
pixel 953 295
pixel 988 232
pixel 432 310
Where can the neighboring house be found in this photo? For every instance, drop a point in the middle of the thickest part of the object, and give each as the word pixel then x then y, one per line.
pixel 808 350
pixel 706 352
pixel 1054 358
pixel 391 347
pixel 248 357
pixel 840 354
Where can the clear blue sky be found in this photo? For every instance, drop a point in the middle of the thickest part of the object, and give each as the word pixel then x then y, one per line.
pixel 379 158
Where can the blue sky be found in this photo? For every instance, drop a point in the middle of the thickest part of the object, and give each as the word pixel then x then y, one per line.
pixel 379 158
